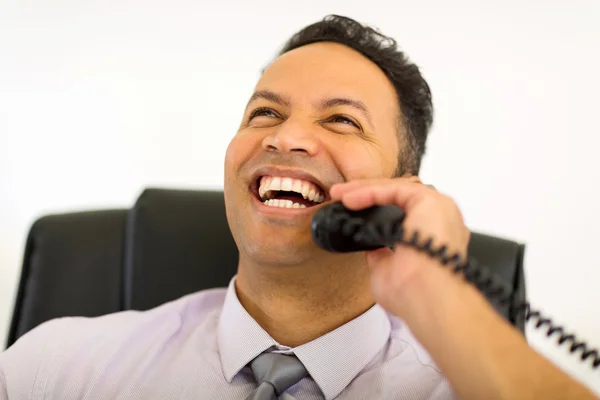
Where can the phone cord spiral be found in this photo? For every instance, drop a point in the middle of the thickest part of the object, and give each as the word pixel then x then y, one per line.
pixel 487 282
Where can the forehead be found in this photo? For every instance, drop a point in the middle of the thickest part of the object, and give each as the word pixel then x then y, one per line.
pixel 312 72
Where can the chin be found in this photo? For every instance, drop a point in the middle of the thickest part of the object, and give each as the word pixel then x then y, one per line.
pixel 270 236
pixel 280 250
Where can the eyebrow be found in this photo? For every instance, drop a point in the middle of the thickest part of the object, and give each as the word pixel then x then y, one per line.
pixel 344 101
pixel 270 96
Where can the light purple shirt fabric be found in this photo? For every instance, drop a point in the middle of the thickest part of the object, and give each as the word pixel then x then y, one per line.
pixel 198 347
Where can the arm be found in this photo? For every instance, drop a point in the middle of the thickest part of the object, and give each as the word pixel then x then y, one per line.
pixel 481 355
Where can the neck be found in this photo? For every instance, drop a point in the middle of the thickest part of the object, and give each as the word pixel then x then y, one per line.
pixel 297 304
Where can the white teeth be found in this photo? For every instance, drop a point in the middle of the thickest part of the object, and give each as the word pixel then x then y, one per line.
pixel 265 184
pixel 305 189
pixel 297 187
pixel 275 183
pixel 269 186
pixel 262 187
pixel 286 184
pixel 282 203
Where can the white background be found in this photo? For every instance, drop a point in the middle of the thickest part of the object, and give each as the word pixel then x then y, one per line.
pixel 101 99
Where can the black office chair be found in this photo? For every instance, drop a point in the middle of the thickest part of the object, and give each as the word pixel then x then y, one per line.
pixel 170 244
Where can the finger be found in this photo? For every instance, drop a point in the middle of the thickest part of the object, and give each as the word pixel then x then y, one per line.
pixel 400 193
pixel 337 191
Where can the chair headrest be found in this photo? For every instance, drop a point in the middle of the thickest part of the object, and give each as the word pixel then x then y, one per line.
pixel 178 242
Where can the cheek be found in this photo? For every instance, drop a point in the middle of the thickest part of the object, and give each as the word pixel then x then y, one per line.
pixel 230 157
pixel 238 152
pixel 359 159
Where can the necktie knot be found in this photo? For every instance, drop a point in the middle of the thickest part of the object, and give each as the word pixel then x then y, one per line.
pixel 275 373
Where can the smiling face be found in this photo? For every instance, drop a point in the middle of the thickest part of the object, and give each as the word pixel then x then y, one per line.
pixel 321 114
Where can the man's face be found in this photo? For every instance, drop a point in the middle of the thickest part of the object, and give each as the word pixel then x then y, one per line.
pixel 320 114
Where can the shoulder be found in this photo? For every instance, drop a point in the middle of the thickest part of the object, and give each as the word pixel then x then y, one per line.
pixel 404 344
pixel 406 368
pixel 36 355
pixel 194 306
pixel 401 369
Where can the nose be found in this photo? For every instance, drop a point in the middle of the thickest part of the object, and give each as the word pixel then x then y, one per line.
pixel 292 137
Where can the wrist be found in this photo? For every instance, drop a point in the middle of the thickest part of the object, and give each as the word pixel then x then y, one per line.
pixel 438 300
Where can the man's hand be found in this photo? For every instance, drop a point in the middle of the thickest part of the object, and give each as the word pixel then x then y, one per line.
pixel 433 215
pixel 482 355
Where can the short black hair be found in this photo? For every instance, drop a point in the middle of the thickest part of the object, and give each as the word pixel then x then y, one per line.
pixel 414 94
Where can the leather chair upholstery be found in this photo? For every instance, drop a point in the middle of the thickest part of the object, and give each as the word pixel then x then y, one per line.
pixel 71 267
pixel 170 244
pixel 178 242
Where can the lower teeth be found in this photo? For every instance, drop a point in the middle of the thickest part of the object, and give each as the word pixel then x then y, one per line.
pixel 283 203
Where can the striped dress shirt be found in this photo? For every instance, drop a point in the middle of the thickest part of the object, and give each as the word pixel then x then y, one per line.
pixel 199 347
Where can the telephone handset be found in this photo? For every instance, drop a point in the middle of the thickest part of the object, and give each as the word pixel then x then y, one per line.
pixel 338 229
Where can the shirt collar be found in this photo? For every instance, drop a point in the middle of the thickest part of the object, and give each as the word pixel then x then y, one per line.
pixel 350 347
pixel 240 338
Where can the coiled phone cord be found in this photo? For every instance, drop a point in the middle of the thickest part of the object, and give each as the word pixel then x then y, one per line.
pixel 393 233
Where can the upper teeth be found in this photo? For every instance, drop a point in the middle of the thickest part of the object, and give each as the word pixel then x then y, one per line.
pixel 308 190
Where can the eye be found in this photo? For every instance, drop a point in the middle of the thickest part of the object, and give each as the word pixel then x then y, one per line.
pixel 263 112
pixel 342 119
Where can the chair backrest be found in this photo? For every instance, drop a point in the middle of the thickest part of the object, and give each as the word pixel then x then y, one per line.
pixel 170 244
pixel 71 267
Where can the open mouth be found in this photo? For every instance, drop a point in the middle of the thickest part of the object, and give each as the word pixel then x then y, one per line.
pixel 285 192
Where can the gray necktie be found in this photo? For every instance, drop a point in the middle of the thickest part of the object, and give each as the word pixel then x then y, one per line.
pixel 275 373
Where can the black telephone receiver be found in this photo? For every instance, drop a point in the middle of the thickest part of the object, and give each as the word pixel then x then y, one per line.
pixel 338 229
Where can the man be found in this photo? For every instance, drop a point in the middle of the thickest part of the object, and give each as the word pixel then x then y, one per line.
pixel 340 115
